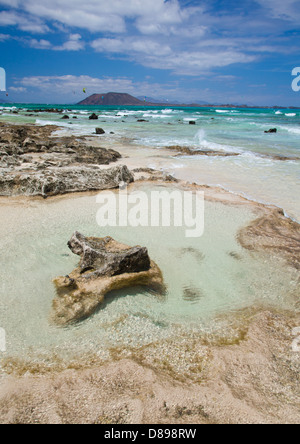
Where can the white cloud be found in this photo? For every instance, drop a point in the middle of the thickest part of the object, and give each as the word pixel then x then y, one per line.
pixel 73 44
pixel 4 37
pixel 195 63
pixel 160 17
pixel 285 10
pixel 69 83
pixel 152 54
pixel 160 34
pixel 19 89
pixel 103 15
pixel 131 46
pixel 25 23
pixel 40 44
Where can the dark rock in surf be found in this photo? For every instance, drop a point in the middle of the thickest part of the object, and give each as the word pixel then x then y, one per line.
pixel 271 131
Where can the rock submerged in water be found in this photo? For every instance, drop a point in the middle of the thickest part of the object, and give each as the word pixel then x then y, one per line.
pixel 184 150
pixel 105 265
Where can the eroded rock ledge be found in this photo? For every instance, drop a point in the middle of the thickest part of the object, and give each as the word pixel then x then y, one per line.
pixel 105 265
pixel 34 162
pixel 274 233
pixel 186 151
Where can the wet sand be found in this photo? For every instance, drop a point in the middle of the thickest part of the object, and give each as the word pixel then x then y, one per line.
pixel 255 381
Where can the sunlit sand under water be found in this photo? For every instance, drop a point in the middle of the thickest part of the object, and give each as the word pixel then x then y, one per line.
pixel 212 283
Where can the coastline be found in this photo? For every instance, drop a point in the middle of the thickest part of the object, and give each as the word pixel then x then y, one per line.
pixel 256 374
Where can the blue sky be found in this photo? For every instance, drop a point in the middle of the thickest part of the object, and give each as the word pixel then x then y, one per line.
pixel 218 51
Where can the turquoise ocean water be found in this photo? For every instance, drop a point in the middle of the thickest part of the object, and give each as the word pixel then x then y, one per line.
pixel 257 173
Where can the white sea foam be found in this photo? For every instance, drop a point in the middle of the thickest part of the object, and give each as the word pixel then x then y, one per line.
pixel 291 114
pixel 49 122
pixel 201 140
pixel 290 129
pixel 156 116
pixel 9 108
pixel 127 113
pixel 294 130
pixel 74 129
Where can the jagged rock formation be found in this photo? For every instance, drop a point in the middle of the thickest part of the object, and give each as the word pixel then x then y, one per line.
pixel 54 181
pixel 105 265
pixel 33 162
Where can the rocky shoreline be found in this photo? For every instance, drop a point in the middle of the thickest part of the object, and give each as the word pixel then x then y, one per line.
pixel 34 162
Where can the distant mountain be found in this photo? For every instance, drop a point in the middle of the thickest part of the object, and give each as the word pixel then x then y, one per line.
pixel 121 99
pixel 112 99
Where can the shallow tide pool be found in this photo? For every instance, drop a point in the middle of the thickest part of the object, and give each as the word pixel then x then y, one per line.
pixel 208 279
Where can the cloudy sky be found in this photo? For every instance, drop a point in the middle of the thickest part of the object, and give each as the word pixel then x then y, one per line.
pixel 218 51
